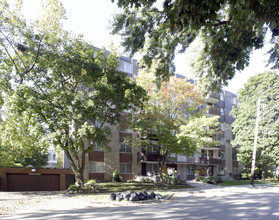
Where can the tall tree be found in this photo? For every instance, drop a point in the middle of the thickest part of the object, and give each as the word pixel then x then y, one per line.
pixel 229 30
pixel 23 139
pixel 170 121
pixel 266 87
pixel 73 90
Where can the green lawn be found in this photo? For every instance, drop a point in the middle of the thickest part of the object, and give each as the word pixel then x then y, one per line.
pixel 246 182
pixel 106 188
pixel 121 187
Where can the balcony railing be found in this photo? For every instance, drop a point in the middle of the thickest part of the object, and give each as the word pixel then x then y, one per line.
pixel 213 111
pixel 210 160
pixel 142 156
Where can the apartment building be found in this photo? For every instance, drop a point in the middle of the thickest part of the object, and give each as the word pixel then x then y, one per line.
pixel 133 162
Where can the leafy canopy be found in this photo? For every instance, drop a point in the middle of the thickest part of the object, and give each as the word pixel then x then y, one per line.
pixel 72 89
pixel 266 87
pixel 169 120
pixel 229 32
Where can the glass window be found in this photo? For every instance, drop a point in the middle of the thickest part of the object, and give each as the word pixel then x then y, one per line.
pixel 191 169
pixel 222 96
pixel 96 167
pixel 97 147
pixel 152 150
pixel 233 100
pixel 97 123
pixel 125 148
pixel 126 168
pixel 152 168
pixel 125 66
pixel 222 140
pixel 222 111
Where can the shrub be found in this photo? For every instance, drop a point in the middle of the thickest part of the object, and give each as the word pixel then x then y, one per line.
pixel 245 175
pixel 89 186
pixel 200 178
pixel 73 187
pixel 115 176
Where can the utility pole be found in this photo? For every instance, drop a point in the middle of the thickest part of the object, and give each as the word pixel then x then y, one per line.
pixel 255 144
pixel 256 139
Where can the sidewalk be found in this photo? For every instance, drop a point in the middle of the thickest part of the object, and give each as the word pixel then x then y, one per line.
pixel 201 185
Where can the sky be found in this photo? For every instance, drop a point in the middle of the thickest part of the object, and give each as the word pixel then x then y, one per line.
pixel 92 18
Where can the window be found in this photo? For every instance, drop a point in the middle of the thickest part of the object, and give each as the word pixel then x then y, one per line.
pixel 222 140
pixel 97 147
pixel 234 156
pixel 97 123
pixel 222 127
pixel 205 153
pixel 152 168
pixel 221 155
pixel 125 148
pixel 222 112
pixel 152 149
pixel 191 170
pixel 96 167
pixel 125 168
pixel 233 100
pixel 222 96
pixel 125 66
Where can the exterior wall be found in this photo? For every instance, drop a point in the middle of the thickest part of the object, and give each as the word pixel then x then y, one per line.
pixel 182 171
pixel 228 150
pixel 111 158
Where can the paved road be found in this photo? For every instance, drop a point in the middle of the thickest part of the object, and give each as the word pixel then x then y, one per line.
pixel 203 202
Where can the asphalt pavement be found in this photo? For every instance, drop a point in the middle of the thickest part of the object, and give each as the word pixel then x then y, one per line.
pixel 202 202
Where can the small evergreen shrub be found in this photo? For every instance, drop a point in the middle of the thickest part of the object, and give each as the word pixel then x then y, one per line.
pixel 115 176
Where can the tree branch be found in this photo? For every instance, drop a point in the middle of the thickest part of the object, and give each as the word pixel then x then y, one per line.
pixel 219 22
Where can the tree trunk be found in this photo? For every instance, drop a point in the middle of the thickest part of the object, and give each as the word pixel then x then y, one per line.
pixel 80 178
pixel 77 168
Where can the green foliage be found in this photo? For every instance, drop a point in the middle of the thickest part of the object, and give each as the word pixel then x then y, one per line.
pixel 169 121
pixel 74 187
pixel 22 138
pixel 210 179
pixel 199 178
pixel 71 89
pixel 115 176
pixel 245 175
pixel 265 86
pixel 228 31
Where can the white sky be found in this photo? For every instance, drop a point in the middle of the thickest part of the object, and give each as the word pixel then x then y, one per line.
pixel 92 19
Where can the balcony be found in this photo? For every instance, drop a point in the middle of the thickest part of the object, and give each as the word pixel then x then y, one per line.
pixel 142 156
pixel 213 110
pixel 210 160
pixel 212 98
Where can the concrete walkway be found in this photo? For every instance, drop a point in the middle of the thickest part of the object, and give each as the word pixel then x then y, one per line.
pixel 201 186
